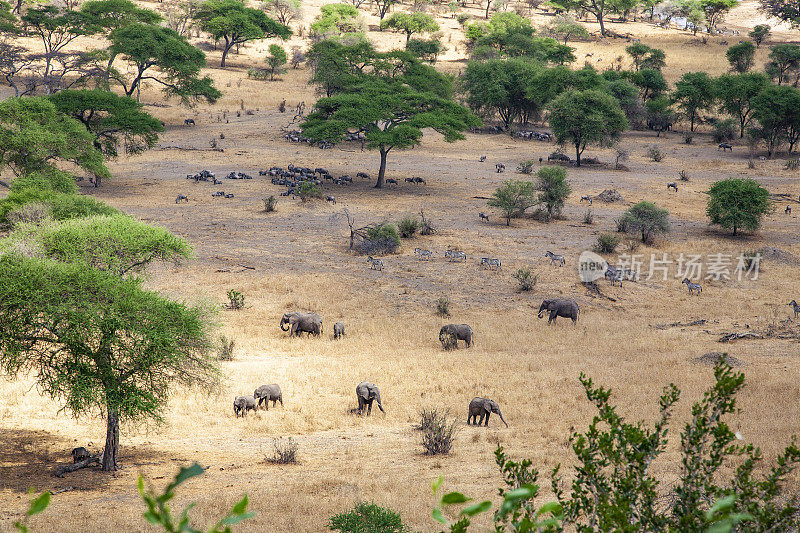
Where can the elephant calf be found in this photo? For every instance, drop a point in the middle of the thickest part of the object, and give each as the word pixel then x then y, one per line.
pixel 483 407
pixel 450 334
pixel 265 393
pixel 80 454
pixel 338 330
pixel 242 404
pixel 367 393
pixel 567 308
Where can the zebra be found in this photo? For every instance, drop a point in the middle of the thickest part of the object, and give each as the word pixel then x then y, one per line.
pixel 181 198
pixel 483 216
pixel 555 259
pixel 424 255
pixel 483 158
pixel 587 198
pixel 672 185
pixel 613 274
pixel 375 264
pixel 795 308
pixel 788 210
pixel 331 199
pixel 500 167
pixel 630 274
pixel 485 262
pixel 693 287
pixel 494 264
pixel 455 255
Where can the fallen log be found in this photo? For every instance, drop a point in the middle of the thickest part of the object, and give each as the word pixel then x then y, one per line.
pixel 63 469
pixel 680 324
pixel 191 149
pixel 729 337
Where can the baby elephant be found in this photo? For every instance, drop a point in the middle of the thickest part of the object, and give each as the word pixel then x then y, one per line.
pixel 567 308
pixel 450 334
pixel 265 393
pixel 338 330
pixel 483 407
pixel 242 404
pixel 368 392
pixel 80 454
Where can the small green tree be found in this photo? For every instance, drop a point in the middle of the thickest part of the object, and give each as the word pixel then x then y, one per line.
pixel 235 23
pixel 783 60
pixel 646 219
pixel 410 23
pixel 777 111
pixel 553 189
pixel 583 117
pixel 693 93
pixel 660 115
pixel 738 204
pixel 513 198
pixel 334 20
pixel 566 28
pixel 425 49
pixel 760 33
pixel 736 93
pixel 637 51
pixel 276 60
pixel 741 56
pixel 651 83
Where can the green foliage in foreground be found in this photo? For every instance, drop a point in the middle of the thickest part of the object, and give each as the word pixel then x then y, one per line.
pixel 62 206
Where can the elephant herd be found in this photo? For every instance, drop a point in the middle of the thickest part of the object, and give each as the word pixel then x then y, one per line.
pixel 262 395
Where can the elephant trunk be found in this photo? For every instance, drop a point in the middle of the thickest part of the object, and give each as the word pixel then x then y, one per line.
pixel 501 417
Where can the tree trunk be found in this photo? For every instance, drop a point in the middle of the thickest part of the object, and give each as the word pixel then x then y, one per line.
pixel 408 37
pixel 488 5
pixel 577 155
pixel 602 26
pixel 112 442
pixel 225 51
pixel 382 171
pixel 508 221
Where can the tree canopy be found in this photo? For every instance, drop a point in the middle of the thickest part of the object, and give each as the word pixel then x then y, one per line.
pixel 512 198
pixel 583 117
pixel 738 204
pixel 646 219
pixel 553 189
pixel 785 10
pixel 162 56
pixel 410 23
pixel 510 35
pixel 777 110
pixel 741 56
pixel 111 14
pixel 736 92
pixel 693 93
pixel 234 23
pixel 784 59
pixel 502 86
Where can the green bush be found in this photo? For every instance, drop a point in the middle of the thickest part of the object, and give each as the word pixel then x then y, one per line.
pixel 379 239
pixel 56 181
pixel 443 306
pixel 463 18
pixel 260 74
pixel 526 279
pixel 235 300
pixel 387 231
pixel 309 191
pixel 525 167
pixel 606 243
pixel 655 154
pixel 62 206
pixel 367 517
pixel 269 204
pixel 408 227
pixel 645 219
pixel 724 130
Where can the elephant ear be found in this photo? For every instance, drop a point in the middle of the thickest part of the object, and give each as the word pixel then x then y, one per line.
pixel 487 405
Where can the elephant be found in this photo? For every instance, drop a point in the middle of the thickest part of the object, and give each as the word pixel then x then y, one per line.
pixel 310 323
pixel 366 393
pixel 338 330
pixel 483 407
pixel 450 334
pixel 560 307
pixel 80 454
pixel 265 393
pixel 242 404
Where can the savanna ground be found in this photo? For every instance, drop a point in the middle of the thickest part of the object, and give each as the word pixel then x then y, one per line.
pixel 299 261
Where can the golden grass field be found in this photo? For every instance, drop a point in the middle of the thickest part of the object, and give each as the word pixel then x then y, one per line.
pixel 300 261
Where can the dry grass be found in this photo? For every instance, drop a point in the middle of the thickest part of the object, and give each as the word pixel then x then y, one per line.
pixel 301 261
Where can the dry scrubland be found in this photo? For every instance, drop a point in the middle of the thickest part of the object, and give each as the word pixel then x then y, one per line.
pixel 301 262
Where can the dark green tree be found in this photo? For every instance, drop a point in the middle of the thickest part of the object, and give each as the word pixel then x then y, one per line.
pixel 502 87
pixel 410 23
pixel 784 59
pixel 512 198
pixel 785 10
pixel 651 83
pixel 425 49
pixel 777 111
pixel 583 117
pixel 336 66
pixel 694 93
pixel 235 23
pixel 737 204
pixel 334 21
pixel 646 219
pixel 736 92
pixel 759 33
pixel 715 11
pixel 660 115
pixel 741 56
pixel 637 51
pixel 597 8
pixel 553 189
pixel 111 14
pixel 111 118
pixel 162 56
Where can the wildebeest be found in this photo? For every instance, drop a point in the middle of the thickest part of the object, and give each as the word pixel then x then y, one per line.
pixel 483 216
pixel 181 198
pixel 725 146
pixel 391 181
pixel 672 185
pixel 331 199
pixel 189 122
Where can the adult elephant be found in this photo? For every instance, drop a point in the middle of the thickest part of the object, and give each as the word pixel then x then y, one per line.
pixel 310 323
pixel 567 308
pixel 483 407
pixel 450 334
pixel 367 393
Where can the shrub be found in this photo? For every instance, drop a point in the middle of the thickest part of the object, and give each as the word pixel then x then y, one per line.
pixel 225 349
pixel 588 217
pixel 526 280
pixel 260 74
pixel 646 219
pixel 270 203
pixel 462 18
pixel 606 243
pixel 427 417
pixel 285 452
pixel 553 189
pixel 32 213
pixel 749 257
pixel 738 203
pixel 724 130
pixel 792 164
pixel 655 154
pixel 309 191
pixel 62 206
pixel 408 227
pixel 622 155
pixel 235 300
pixel 426 50
pixel 683 175
pixel 525 167
pixel 443 306
pixel 367 517
pixel 513 198
pixel 438 437
pixel 688 137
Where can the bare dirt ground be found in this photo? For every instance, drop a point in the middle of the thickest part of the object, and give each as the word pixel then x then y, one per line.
pixel 299 260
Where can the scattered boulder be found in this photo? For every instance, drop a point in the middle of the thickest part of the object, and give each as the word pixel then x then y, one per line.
pixel 610 196
pixel 712 358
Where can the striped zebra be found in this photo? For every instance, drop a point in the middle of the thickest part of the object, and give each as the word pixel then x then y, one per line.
pixel 424 255
pixel 375 264
pixel 485 262
pixel 455 255
pixel 693 287
pixel 494 264
pixel 555 259
pixel 795 308
pixel 615 274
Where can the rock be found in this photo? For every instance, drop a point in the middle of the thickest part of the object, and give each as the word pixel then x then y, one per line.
pixel 610 196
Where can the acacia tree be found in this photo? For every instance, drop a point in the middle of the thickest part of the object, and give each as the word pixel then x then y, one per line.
pixel 583 117
pixel 598 8
pixel 777 111
pixel 736 93
pixel 553 189
pixel 646 219
pixel 410 23
pixel 111 118
pixel 234 23
pixel 513 197
pixel 741 56
pixel 391 108
pixel 693 93
pixel 111 14
pixel 501 86
pixel 92 335
pixel 783 59
pixel 738 203
pixel 162 56
pixel 284 10
pixel 759 33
